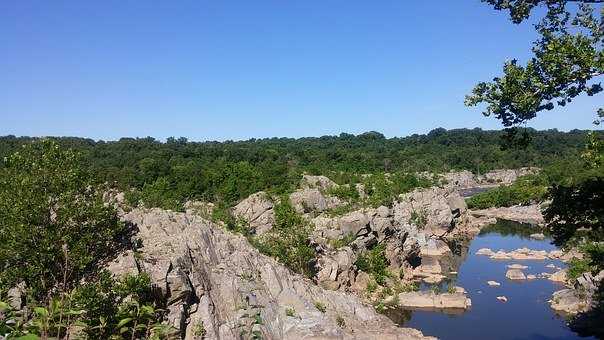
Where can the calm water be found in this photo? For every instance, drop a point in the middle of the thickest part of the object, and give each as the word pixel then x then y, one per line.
pixel 526 315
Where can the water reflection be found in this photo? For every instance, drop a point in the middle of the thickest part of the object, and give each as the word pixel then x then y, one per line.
pixel 526 315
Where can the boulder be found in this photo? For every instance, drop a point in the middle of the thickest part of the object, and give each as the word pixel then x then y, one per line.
pixel 432 203
pixel 353 222
pixel 515 274
pixel 502 298
pixel 317 182
pixel 312 200
pixel 568 301
pixel 493 283
pixel 257 210
pixel 559 276
pixel 537 236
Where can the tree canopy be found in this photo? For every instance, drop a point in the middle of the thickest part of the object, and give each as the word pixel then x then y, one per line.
pixel 568 61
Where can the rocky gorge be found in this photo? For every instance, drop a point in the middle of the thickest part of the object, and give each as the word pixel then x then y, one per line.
pixel 215 280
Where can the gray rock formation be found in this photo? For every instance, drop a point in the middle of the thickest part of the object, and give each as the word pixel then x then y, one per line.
pixel 213 278
pixel 312 200
pixel 257 210
pixel 524 214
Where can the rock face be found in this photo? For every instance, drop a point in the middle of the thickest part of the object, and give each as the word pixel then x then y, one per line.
pixel 257 210
pixel 524 214
pixel 437 207
pixel 213 278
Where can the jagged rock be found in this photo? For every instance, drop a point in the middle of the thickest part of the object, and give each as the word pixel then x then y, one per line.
pixel 312 200
pixel 435 247
pixel 524 214
pixel 353 222
pixel 216 279
pixel 461 179
pixel 559 276
pixel 257 210
pixel 515 274
pixel 317 182
pixel 430 300
pixel 432 204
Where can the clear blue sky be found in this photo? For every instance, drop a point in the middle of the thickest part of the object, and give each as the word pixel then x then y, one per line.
pixel 216 70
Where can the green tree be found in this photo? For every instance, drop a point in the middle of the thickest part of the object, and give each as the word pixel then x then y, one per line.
pixel 568 58
pixel 54 225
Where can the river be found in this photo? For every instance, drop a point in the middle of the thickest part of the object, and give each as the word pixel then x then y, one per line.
pixel 526 314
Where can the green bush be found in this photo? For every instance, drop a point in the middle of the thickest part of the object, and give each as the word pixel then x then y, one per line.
pixel 54 225
pixel 526 190
pixel 103 309
pixel 288 240
pixel 384 189
pixel 375 263
pixel 345 192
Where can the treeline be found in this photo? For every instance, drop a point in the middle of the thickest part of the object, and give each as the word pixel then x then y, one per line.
pixel 177 170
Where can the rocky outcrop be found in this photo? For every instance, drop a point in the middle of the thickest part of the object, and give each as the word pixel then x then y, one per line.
pixel 433 208
pixel 568 301
pixel 217 280
pixel 257 211
pixel 312 200
pixel 506 176
pixel 524 214
pixel 317 182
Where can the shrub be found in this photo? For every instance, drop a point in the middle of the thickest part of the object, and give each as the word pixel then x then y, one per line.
pixel 288 241
pixel 55 227
pixel 419 218
pixel 345 192
pixel 101 310
pixel 320 306
pixel 344 241
pixel 374 262
pixel 525 190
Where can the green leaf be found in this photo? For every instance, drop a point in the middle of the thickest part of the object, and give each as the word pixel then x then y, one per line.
pixel 123 322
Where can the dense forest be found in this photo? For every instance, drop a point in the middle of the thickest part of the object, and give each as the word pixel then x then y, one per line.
pixel 225 172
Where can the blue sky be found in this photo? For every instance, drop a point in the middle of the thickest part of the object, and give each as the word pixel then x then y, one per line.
pixel 217 70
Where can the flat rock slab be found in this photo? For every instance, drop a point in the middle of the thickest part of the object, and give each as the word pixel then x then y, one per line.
pixel 430 300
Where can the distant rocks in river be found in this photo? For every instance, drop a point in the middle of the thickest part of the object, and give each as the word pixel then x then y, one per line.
pixel 515 274
pixel 519 254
